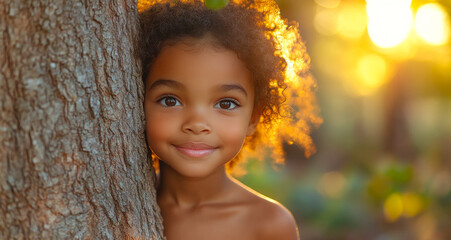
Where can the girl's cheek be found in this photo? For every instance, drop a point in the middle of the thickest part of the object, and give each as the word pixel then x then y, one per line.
pixel 160 126
pixel 233 133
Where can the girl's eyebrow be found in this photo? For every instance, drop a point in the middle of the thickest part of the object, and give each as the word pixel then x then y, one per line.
pixel 166 82
pixel 230 87
pixel 178 85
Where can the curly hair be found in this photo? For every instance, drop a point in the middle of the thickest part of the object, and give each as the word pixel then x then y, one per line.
pixel 255 31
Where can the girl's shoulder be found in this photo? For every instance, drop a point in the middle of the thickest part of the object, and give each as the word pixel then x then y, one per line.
pixel 270 218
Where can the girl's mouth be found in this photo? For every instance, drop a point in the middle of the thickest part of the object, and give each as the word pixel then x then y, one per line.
pixel 195 150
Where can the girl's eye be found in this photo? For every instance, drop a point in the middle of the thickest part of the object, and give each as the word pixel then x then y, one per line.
pixel 227 104
pixel 169 101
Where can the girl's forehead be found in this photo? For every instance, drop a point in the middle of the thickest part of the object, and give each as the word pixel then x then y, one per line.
pixel 200 58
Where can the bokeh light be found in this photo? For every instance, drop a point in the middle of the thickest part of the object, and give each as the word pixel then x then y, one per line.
pixel 432 24
pixel 393 207
pixel 372 72
pixel 425 227
pixel 331 184
pixel 326 21
pixel 382 170
pixel 442 183
pixel 412 204
pixel 352 20
pixel 397 205
pixel 389 21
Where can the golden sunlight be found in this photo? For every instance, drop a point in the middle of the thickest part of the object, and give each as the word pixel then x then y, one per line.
pixel 328 3
pixel 389 21
pixel 326 21
pixel 372 73
pixel 352 20
pixel 432 24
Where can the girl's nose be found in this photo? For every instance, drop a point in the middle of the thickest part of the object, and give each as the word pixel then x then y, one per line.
pixel 196 122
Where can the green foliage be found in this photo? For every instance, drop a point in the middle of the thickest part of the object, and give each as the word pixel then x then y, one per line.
pixel 216 4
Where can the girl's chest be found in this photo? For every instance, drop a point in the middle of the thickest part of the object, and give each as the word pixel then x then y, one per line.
pixel 208 224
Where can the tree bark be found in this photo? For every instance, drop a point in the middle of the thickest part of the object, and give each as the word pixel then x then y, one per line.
pixel 73 158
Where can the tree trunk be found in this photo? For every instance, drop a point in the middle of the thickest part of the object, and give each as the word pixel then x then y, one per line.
pixel 73 158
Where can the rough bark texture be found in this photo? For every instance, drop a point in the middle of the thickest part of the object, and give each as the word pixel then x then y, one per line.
pixel 73 158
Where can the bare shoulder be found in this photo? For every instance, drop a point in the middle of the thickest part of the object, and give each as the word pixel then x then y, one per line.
pixel 277 222
pixel 270 218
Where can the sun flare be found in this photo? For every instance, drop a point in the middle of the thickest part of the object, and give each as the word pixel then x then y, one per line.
pixel 389 21
pixel 432 24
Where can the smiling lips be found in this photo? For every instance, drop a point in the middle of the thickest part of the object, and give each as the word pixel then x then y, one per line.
pixel 195 150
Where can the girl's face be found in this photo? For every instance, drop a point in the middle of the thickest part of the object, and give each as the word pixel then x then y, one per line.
pixel 198 104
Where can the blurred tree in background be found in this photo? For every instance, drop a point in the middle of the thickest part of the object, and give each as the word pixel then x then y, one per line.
pixel 383 168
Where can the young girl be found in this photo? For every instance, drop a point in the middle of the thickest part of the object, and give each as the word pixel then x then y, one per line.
pixel 216 80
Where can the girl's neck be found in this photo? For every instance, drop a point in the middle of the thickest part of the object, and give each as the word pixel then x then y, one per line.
pixel 191 192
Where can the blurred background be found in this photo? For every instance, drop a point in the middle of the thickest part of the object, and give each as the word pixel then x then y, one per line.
pixel 383 164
